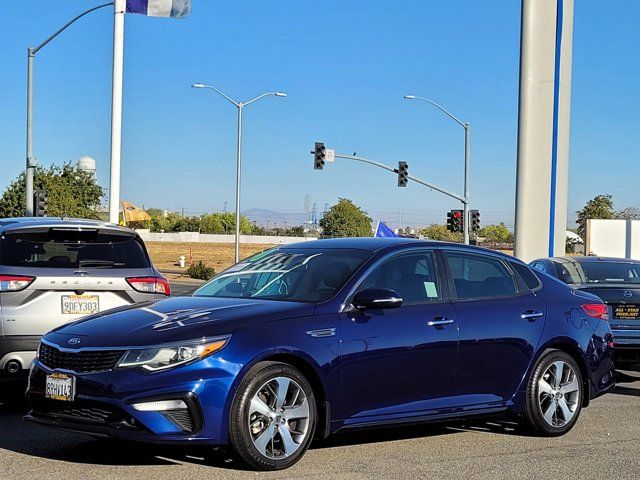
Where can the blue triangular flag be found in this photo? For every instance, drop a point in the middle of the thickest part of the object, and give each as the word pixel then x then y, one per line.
pixel 382 230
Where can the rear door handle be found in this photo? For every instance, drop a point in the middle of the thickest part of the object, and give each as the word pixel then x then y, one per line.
pixel 531 315
pixel 439 322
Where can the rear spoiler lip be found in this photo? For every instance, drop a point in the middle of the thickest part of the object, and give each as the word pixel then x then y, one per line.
pixel 68 228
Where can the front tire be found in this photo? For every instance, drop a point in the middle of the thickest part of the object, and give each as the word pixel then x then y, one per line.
pixel 555 394
pixel 273 416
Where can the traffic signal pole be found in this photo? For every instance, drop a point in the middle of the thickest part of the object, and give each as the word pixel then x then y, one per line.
pixel 465 203
pixel 464 199
pixel 31 160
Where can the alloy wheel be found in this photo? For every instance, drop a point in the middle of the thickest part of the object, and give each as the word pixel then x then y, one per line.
pixel 558 394
pixel 278 418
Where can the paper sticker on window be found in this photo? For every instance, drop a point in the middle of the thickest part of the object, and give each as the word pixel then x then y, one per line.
pixel 431 289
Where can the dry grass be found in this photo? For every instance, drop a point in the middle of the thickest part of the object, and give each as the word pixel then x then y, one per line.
pixel 165 255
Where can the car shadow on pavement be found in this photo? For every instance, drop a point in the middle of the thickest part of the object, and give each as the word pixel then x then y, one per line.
pixel 624 381
pixel 27 438
pixel 406 432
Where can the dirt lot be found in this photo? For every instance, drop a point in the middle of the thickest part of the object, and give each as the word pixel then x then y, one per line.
pixel 165 255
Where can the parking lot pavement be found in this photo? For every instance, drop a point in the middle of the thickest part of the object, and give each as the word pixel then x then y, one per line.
pixel 181 287
pixel 605 443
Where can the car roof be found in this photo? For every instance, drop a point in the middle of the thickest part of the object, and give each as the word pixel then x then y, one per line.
pixel 588 259
pixel 21 223
pixel 377 243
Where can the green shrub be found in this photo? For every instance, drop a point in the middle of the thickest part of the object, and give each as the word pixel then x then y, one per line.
pixel 200 271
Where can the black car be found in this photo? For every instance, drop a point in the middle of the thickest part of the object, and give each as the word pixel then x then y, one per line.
pixel 617 282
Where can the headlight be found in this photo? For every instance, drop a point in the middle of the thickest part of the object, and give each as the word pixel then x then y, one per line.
pixel 168 356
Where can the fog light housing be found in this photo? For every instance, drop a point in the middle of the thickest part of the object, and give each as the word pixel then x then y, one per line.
pixel 183 410
pixel 160 405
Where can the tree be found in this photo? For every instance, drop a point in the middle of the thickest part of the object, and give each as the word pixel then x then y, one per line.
pixel 440 233
pixel 345 219
pixel 629 213
pixel 600 206
pixel 496 234
pixel 71 192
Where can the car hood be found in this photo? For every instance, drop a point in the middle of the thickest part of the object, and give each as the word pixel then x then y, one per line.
pixel 172 320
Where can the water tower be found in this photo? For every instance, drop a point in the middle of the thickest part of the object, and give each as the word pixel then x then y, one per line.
pixel 87 164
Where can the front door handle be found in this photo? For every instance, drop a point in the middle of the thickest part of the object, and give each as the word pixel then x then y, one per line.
pixel 531 315
pixel 439 322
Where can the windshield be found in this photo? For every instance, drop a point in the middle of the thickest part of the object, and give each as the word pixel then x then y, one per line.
pixel 600 272
pixel 60 248
pixel 288 274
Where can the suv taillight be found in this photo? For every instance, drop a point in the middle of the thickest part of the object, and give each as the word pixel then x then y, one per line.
pixel 14 283
pixel 596 310
pixel 150 285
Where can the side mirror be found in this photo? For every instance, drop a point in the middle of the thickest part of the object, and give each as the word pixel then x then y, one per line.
pixel 377 298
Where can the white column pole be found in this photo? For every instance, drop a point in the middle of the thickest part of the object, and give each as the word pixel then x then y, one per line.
pixel 120 7
pixel 543 128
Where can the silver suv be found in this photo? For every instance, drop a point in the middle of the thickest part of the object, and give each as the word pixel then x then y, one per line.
pixel 54 271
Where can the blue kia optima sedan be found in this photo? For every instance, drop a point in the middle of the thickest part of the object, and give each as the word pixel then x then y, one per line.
pixel 308 339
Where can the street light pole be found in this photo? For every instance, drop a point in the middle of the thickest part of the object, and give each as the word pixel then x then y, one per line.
pixel 236 247
pixel 467 174
pixel 31 54
pixel 240 106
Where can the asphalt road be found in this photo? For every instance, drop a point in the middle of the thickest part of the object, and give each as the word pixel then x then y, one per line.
pixel 604 443
pixel 179 288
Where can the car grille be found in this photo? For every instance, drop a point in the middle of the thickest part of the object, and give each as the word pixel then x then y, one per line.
pixel 80 362
pixel 78 411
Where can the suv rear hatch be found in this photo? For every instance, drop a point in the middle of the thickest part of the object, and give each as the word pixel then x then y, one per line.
pixel 51 276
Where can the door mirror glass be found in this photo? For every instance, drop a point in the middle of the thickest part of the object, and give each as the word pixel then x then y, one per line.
pixel 377 298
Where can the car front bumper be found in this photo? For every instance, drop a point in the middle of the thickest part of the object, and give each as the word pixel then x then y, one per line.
pixel 103 403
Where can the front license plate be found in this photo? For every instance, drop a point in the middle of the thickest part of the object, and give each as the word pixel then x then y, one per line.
pixel 626 312
pixel 60 386
pixel 80 304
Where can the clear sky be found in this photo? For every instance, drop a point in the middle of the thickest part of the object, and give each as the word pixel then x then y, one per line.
pixel 345 65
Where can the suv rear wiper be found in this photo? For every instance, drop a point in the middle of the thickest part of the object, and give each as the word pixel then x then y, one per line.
pixel 99 263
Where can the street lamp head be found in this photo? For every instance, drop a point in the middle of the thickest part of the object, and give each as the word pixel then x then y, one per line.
pixel 198 85
pixel 280 94
pixel 410 97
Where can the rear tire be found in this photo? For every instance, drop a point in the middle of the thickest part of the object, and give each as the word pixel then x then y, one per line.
pixel 273 417
pixel 555 394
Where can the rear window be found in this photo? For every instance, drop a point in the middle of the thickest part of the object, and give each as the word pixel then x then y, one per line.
pixel 598 272
pixel 59 248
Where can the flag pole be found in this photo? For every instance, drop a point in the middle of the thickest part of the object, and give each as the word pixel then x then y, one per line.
pixel 120 7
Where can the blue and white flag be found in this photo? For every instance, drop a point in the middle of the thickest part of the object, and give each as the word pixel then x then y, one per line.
pixel 160 8
pixel 382 230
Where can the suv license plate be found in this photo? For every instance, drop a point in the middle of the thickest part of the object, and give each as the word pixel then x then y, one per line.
pixel 60 386
pixel 80 304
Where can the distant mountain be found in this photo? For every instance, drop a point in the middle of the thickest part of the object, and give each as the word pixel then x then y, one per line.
pixel 262 215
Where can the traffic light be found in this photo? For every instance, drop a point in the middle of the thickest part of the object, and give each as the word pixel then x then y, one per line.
pixel 41 203
pixel 319 155
pixel 475 220
pixel 454 220
pixel 403 174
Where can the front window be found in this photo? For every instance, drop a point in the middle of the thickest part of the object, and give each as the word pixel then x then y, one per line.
pixel 598 272
pixel 289 274
pixel 412 276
